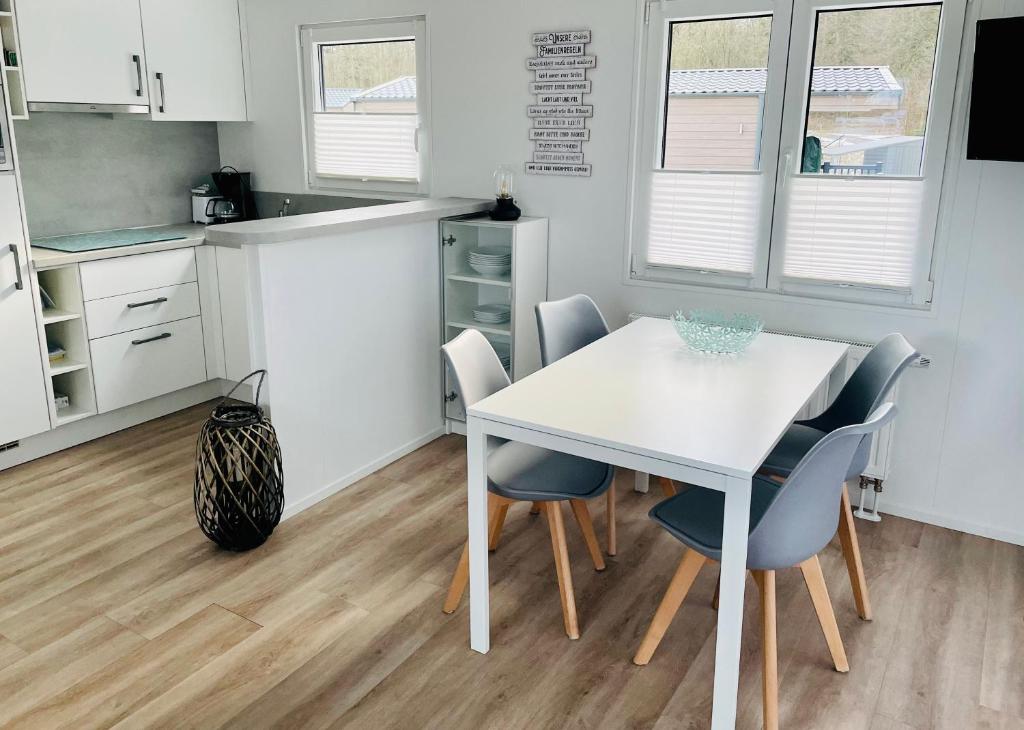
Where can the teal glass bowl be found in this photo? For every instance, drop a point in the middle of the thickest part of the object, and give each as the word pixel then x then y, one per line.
pixel 710 331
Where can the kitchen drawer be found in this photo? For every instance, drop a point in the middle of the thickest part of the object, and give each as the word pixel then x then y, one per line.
pixel 126 373
pixel 125 312
pixel 127 274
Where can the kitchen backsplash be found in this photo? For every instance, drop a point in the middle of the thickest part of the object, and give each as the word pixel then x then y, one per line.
pixel 90 172
pixel 268 204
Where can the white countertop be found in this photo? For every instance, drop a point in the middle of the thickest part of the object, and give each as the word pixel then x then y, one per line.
pixel 192 234
pixel 311 225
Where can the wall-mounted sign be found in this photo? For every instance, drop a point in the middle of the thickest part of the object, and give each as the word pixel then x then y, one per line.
pixel 551 168
pixel 566 74
pixel 559 122
pixel 581 135
pixel 548 87
pixel 575 158
pixel 581 110
pixel 568 49
pixel 558 146
pixel 561 36
pixel 549 99
pixel 559 63
pixel 559 114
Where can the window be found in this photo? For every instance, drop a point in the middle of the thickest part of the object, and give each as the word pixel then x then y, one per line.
pixel 365 106
pixel 793 146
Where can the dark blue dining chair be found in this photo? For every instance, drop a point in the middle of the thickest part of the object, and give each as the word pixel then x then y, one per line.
pixel 518 472
pixel 865 391
pixel 789 525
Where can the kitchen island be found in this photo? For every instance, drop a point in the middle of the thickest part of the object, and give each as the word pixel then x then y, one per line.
pixel 342 309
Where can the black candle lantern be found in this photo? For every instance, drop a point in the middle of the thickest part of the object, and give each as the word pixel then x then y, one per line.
pixel 239 487
pixel 505 208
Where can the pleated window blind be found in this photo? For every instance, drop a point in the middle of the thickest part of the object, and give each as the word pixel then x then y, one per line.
pixel 704 221
pixel 853 231
pixel 794 146
pixel 369 146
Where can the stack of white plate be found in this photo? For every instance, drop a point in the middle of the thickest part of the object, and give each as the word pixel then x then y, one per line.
pixel 491 260
pixel 504 351
pixel 492 313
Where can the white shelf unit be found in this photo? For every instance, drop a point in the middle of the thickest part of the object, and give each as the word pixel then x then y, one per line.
pixel 64 325
pixel 14 80
pixel 522 288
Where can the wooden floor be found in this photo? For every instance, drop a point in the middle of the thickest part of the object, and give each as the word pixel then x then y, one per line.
pixel 115 610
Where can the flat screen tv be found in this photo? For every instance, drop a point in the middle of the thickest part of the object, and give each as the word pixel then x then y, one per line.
pixel 993 132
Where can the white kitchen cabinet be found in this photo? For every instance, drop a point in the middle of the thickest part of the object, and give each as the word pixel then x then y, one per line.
pixel 23 402
pixel 141 364
pixel 84 52
pixel 128 274
pixel 113 315
pixel 232 273
pixel 194 60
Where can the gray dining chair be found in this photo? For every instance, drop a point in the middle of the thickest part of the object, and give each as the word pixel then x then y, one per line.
pixel 565 326
pixel 518 472
pixel 789 526
pixel 865 391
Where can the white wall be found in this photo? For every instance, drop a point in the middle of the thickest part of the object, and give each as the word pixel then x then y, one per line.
pixel 960 436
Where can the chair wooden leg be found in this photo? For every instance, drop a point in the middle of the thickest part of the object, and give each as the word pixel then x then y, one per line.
pixel 561 552
pixel 496 523
pixel 461 577
pixel 582 515
pixel 815 581
pixel 667 486
pixel 714 598
pixel 687 571
pixel 613 537
pixel 770 648
pixel 851 552
pixel 535 508
pixel 459 580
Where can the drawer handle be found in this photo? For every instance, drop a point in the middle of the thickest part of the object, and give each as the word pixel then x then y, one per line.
pixel 164 336
pixel 160 300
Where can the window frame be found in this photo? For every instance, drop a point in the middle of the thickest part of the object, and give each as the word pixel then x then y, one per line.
pixel 791 48
pixel 936 138
pixel 311 39
pixel 653 86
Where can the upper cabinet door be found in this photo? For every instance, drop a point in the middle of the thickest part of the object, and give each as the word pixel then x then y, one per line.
pixel 23 406
pixel 83 52
pixel 194 55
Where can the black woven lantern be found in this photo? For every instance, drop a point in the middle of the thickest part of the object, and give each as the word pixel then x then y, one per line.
pixel 239 491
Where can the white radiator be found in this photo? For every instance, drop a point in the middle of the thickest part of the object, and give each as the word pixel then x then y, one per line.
pixel 881 448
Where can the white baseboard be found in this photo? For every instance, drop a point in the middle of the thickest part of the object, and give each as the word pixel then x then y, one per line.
pixel 1013 537
pixel 291 510
pixel 94 427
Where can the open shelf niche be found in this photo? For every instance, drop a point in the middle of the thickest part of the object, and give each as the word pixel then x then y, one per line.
pixel 13 81
pixel 64 326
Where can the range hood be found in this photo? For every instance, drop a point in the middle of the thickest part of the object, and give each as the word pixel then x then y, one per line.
pixel 63 106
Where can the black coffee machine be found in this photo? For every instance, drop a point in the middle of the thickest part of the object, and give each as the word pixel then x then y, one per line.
pixel 235 187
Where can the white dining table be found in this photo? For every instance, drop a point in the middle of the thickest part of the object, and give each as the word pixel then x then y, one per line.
pixel 639 398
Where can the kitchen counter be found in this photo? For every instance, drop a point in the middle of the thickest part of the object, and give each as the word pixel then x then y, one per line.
pixel 337 222
pixel 192 234
pixel 344 314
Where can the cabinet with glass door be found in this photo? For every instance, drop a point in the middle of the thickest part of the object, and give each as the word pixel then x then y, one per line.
pixel 494 274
